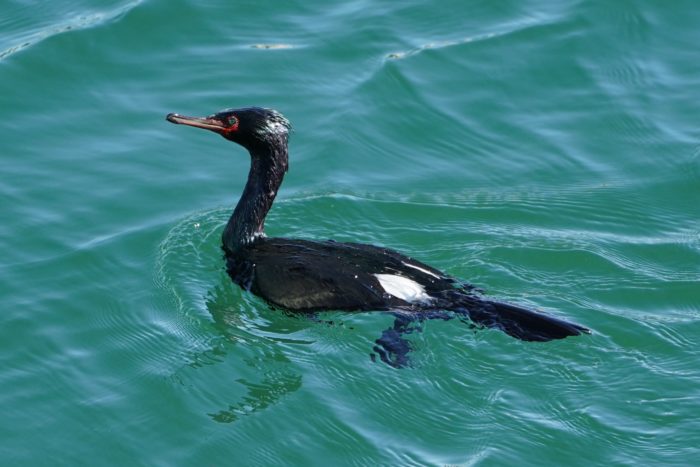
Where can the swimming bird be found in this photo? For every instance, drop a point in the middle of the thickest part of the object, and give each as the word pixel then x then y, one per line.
pixel 308 276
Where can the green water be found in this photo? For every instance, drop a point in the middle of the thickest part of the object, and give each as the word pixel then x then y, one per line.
pixel 547 151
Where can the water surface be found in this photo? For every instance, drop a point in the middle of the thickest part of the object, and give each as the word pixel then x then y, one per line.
pixel 545 151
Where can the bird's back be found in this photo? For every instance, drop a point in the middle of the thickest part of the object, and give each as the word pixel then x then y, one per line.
pixel 304 275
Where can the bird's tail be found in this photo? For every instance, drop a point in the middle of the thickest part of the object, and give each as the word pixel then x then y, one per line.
pixel 518 322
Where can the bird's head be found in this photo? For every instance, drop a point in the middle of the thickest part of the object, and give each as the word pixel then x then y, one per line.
pixel 254 128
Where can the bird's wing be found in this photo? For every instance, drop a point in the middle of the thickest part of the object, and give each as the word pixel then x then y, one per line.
pixel 305 275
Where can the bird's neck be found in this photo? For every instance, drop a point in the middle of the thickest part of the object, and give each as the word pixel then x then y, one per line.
pixel 247 222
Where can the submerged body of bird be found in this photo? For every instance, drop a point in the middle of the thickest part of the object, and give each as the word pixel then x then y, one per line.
pixel 307 276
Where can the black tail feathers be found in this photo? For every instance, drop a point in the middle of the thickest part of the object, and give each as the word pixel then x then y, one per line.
pixel 393 348
pixel 520 323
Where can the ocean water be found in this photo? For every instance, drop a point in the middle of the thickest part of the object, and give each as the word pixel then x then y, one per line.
pixel 547 152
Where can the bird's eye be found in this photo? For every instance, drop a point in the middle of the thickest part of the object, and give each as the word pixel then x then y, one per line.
pixel 232 120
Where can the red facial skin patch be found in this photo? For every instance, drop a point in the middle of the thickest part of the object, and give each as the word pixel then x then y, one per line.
pixel 232 128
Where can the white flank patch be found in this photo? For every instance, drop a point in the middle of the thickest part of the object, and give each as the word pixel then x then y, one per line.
pixel 403 288
pixel 421 269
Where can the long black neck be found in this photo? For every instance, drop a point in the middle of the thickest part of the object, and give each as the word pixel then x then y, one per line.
pixel 267 168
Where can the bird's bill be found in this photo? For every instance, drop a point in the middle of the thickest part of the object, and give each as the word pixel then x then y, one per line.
pixel 198 122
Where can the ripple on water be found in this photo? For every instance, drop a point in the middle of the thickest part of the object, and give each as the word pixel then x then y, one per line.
pixel 27 37
pixel 243 359
pixel 224 331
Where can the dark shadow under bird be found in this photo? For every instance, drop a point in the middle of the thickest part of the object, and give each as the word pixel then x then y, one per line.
pixel 308 276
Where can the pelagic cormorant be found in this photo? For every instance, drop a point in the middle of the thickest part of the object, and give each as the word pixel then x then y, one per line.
pixel 307 276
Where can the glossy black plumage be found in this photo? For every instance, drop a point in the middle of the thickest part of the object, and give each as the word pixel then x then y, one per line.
pixel 308 276
pixel 305 276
